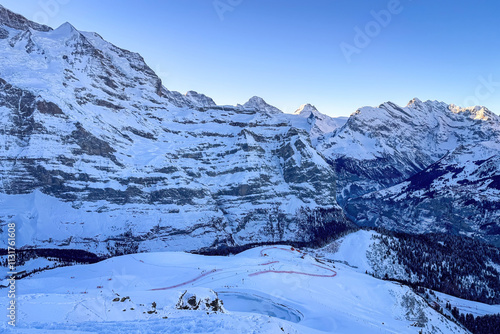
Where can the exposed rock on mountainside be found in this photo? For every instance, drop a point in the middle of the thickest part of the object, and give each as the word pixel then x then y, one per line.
pixel 97 154
pixel 207 301
pixel 17 21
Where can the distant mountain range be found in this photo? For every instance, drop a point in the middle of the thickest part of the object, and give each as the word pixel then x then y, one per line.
pixel 97 154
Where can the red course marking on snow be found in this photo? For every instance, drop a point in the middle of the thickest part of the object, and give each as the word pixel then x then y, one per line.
pixel 191 281
pixel 295 272
pixel 265 264
pixel 285 249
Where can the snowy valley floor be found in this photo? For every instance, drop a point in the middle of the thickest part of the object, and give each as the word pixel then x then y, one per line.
pixel 264 290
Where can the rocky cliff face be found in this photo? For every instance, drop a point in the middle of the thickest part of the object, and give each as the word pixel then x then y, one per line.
pixel 97 154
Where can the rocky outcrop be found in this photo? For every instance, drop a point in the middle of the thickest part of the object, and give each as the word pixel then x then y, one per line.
pixel 201 300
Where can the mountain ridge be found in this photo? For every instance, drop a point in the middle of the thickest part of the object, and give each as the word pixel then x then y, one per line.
pixel 99 155
pixel 90 129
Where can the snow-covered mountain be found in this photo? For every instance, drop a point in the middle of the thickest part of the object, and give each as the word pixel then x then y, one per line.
pixel 380 147
pixel 427 167
pixel 97 154
pixel 460 193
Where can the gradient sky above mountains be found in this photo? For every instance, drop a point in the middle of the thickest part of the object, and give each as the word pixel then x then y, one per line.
pixel 289 52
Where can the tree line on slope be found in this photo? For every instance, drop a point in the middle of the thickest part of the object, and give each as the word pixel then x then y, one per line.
pixel 487 324
pixel 456 265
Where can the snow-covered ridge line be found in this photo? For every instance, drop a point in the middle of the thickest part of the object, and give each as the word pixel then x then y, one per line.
pixel 128 165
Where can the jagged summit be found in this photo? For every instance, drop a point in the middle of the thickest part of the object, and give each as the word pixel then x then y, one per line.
pixel 320 124
pixel 476 112
pixel 414 102
pixel 418 107
pixel 258 103
pixel 200 99
pixel 17 21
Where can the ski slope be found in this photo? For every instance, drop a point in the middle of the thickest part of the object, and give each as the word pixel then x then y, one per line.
pixel 264 290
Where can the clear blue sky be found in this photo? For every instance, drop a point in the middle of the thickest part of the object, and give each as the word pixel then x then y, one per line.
pixel 289 52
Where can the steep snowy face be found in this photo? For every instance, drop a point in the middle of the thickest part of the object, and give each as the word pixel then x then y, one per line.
pixel 97 154
pixel 380 147
pixel 459 194
pixel 68 64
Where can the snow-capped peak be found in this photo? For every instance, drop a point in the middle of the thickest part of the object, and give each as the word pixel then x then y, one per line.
pixel 66 27
pixel 306 110
pixel 416 102
pixel 320 124
pixel 255 101
pixel 258 103
pixel 482 113
pixel 65 31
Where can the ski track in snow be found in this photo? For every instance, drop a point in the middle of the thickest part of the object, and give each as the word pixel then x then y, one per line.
pixel 190 281
pixel 285 249
pixel 265 264
pixel 295 272
pixel 288 271
pixel 256 273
